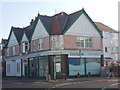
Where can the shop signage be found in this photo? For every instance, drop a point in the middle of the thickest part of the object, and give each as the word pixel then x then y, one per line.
pixel 76 53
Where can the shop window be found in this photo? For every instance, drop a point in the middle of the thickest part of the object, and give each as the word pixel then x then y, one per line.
pixel 8 68
pixel 25 47
pixel 18 67
pixel 84 42
pixel 40 45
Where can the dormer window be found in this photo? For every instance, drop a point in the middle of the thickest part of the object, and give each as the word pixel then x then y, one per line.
pixel 25 47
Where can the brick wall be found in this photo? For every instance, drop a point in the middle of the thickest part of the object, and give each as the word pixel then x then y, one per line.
pixel 46 43
pixel 69 42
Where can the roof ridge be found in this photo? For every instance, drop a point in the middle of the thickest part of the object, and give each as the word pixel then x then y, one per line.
pixel 111 29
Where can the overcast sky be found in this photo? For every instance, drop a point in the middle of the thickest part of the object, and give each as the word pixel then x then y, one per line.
pixel 20 13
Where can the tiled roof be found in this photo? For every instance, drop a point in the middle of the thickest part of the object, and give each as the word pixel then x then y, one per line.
pixel 18 33
pixel 64 19
pixel 4 42
pixel 104 27
pixel 54 25
pixel 56 29
pixel 28 31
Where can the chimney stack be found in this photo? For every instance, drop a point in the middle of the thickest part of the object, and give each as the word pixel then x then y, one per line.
pixel 32 22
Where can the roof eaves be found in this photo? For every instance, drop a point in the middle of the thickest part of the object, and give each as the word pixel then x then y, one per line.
pixel 9 36
pixel 44 25
pixel 21 37
pixel 95 26
pixel 35 23
pixel 73 22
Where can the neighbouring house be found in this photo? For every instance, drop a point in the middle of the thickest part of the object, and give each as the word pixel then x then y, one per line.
pixel 110 44
pixel 59 45
pixel 3 46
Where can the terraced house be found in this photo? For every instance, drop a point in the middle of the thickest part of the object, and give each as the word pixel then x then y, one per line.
pixel 59 45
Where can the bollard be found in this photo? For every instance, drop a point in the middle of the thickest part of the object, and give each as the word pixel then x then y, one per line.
pixel 78 75
pixel 89 74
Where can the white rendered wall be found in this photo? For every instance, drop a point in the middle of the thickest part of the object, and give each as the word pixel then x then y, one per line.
pixel 39 31
pixel 12 41
pixel 24 38
pixel 13 66
pixel 82 27
pixel 107 43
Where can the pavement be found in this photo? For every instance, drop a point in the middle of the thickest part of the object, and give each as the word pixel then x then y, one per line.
pixel 60 80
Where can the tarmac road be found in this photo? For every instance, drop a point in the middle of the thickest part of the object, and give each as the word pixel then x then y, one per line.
pixel 99 83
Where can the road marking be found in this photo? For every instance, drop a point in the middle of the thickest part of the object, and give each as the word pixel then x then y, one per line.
pixel 18 83
pixel 114 84
pixel 36 82
pixel 110 86
pixel 103 88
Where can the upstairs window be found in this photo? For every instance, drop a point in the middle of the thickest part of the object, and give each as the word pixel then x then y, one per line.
pixel 56 41
pixel 105 49
pixel 33 45
pixel 13 50
pixel 84 42
pixel 7 51
pixel 25 47
pixel 88 42
pixel 115 50
pixel 40 44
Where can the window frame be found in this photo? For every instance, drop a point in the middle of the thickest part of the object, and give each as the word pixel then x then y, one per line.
pixel 25 44
pixel 40 44
pixel 83 41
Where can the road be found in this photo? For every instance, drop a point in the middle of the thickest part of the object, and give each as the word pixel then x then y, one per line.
pixel 93 82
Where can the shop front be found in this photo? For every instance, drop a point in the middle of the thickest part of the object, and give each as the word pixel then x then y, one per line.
pixel 84 62
pixel 59 64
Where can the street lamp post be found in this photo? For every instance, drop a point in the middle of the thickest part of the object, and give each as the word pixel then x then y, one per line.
pixel 54 68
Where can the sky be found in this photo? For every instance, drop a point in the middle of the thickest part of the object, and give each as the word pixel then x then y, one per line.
pixel 18 13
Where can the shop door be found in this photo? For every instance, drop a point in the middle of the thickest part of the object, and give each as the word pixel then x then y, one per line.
pixel 58 70
pixel 26 71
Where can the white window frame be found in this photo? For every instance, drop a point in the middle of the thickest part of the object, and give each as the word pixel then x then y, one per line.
pixel 8 68
pixel 40 44
pixel 18 67
pixel 8 51
pixel 33 45
pixel 13 50
pixel 24 47
pixel 56 41
pixel 79 40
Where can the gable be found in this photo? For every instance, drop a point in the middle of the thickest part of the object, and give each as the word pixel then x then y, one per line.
pixel 39 31
pixel 83 26
pixel 12 40
pixel 24 38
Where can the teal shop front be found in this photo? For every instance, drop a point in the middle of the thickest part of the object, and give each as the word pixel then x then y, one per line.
pixel 84 63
